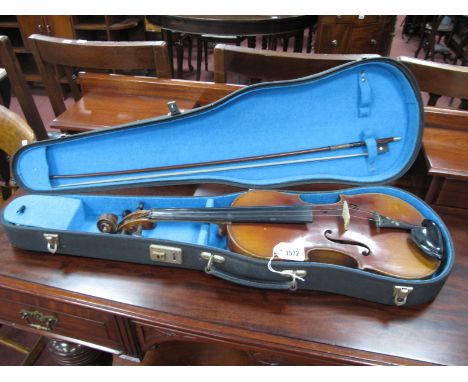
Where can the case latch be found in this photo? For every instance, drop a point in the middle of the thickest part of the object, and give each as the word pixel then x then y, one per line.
pixel 400 294
pixel 52 240
pixel 164 254
pixel 211 259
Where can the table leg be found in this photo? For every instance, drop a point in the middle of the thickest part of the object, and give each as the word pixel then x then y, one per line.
pixel 167 37
pixel 299 41
pixel 434 190
pixel 180 56
pixel 199 56
pixel 70 354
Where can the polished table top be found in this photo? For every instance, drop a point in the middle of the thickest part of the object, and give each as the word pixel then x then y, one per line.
pixel 244 25
pixel 111 100
pixel 305 323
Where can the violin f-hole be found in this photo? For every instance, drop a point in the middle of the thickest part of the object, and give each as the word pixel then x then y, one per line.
pixel 365 252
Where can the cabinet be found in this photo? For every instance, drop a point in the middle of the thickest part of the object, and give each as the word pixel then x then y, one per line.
pixel 99 28
pixel 355 34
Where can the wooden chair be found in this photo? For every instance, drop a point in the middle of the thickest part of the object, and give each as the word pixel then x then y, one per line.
pixel 20 88
pixel 5 89
pixel 439 79
pixel 269 65
pixel 55 56
pixel 457 41
pixel 14 133
pixel 432 31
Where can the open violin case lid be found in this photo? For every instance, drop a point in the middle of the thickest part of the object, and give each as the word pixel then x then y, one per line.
pixel 262 137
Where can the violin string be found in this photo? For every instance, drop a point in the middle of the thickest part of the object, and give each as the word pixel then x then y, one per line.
pixel 353 212
pixel 241 211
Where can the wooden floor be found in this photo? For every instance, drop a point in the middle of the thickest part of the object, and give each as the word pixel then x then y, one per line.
pixel 198 354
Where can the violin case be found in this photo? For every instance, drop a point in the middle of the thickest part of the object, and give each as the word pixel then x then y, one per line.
pixel 363 100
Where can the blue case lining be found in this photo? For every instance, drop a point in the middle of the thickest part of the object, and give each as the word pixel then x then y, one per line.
pixel 333 108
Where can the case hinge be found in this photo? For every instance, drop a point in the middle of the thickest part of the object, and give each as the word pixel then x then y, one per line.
pixel 52 240
pixel 400 294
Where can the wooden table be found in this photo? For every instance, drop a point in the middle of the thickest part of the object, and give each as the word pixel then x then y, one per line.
pixel 240 25
pixel 127 309
pixel 445 150
pixel 111 100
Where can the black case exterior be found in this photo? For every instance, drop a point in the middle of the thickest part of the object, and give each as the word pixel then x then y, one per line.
pixel 239 269
pixel 234 267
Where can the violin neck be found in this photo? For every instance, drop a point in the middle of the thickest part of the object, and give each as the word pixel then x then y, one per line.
pixel 262 214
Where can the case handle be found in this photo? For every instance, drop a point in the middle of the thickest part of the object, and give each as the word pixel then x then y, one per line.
pixel 282 285
pixel 211 270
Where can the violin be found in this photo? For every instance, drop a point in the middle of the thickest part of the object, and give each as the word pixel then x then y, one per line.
pixel 373 232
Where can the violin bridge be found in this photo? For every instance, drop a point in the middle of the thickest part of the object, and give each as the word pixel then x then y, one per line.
pixel 346 216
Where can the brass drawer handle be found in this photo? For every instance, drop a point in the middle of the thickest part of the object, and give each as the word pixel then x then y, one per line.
pixel 45 322
pixel 334 43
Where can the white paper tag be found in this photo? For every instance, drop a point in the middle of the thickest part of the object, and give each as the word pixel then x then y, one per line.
pixel 289 251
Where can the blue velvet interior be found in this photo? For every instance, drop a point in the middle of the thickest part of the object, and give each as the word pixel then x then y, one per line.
pixel 80 213
pixel 336 108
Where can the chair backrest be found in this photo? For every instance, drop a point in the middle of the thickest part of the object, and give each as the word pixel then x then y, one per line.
pixel 20 88
pixel 268 65
pixel 439 79
pixel 14 133
pixel 56 56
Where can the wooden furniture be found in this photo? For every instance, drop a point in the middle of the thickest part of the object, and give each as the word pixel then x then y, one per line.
pixel 5 89
pixel 439 79
pixel 429 33
pixel 136 97
pixel 445 135
pixel 127 309
pixel 241 26
pixel 272 65
pixel 20 88
pixel 354 34
pixel 457 41
pixel 50 52
pixel 445 150
pixel 31 354
pixel 105 28
pixel 14 132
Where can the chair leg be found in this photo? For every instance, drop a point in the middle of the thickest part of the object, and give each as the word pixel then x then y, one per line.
pixel 180 56
pixel 285 44
pixel 309 40
pixel 190 53
pixel 199 56
pixel 299 41
pixel 205 46
pixel 251 42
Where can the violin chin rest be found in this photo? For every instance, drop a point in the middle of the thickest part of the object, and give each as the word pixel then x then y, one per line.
pixel 428 239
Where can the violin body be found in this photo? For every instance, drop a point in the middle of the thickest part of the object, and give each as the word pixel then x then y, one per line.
pixel 370 231
pixel 386 251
